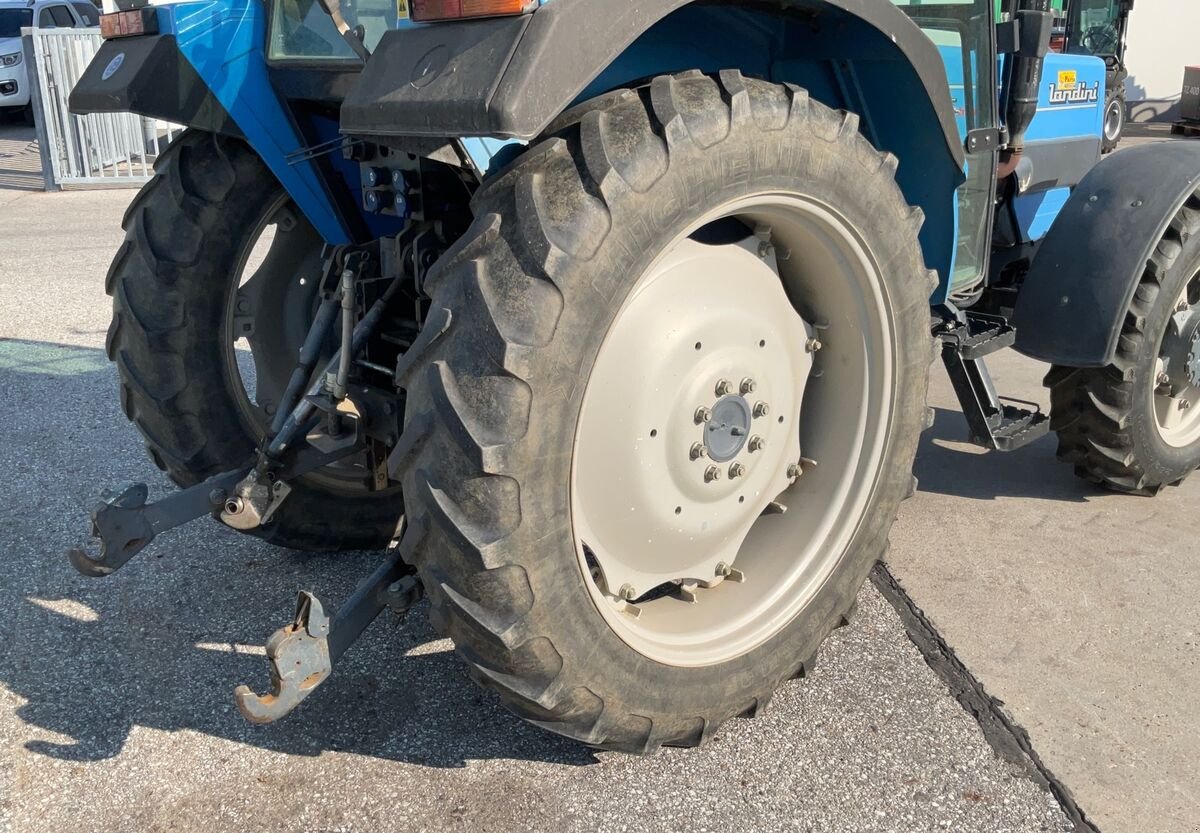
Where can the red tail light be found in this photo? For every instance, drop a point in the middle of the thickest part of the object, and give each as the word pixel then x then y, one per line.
pixel 142 21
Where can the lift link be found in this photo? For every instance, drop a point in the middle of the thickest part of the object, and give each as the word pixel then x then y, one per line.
pixel 302 654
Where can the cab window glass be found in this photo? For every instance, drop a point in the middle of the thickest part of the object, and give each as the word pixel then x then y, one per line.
pixel 301 30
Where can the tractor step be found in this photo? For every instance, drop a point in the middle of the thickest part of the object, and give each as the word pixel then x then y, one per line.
pixel 981 335
pixel 994 424
pixel 1015 427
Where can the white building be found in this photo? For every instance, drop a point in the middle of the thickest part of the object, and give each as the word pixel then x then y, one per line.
pixel 1164 37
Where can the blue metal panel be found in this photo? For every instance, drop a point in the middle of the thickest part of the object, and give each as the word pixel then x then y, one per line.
pixel 1071 102
pixel 1036 212
pixel 223 40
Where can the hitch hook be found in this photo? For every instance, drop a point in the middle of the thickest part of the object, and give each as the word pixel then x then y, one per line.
pixel 302 654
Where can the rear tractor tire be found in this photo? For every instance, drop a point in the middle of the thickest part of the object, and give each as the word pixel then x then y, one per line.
pixel 180 310
pixel 665 408
pixel 1134 426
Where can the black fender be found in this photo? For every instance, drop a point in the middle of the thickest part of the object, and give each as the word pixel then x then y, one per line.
pixel 510 77
pixel 154 80
pixel 1074 299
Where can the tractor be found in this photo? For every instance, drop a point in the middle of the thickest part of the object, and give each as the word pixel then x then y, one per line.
pixel 1100 28
pixel 609 324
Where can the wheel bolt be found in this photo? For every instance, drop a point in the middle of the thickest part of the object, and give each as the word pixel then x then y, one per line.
pixel 711 474
pixel 748 386
pixel 724 387
pixel 756 443
pixel 703 415
pixel 1185 404
pixel 698 451
pixel 736 470
pixel 794 470
pixel 1162 378
pixel 761 409
pixel 812 345
pixel 723 569
pixel 627 592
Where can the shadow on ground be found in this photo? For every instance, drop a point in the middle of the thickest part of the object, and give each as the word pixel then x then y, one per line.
pixel 20 162
pixel 947 463
pixel 163 643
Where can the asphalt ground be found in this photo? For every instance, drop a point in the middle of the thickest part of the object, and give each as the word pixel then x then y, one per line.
pixel 116 708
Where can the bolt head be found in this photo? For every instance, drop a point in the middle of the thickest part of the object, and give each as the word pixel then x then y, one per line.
pixel 812 345
pixel 723 569
pixel 627 592
pixel 736 470
pixel 765 249
pixel 794 470
pixel 724 387
pixel 747 386
pixel 703 415
pixel 712 474
pixel 761 409
pixel 1162 378
pixel 756 443
pixel 698 451
pixel 1185 404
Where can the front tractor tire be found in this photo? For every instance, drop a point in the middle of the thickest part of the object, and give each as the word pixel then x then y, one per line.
pixel 665 407
pixel 1134 426
pixel 179 304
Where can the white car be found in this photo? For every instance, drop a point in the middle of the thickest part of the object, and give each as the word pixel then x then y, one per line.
pixel 39 14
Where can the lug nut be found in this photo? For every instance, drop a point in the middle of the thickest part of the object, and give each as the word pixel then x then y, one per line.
pixel 748 386
pixel 703 415
pixel 1162 378
pixel 736 470
pixel 761 409
pixel 1185 404
pixel 756 443
pixel 711 474
pixel 812 345
pixel 794 470
pixel 698 451
pixel 627 592
pixel 723 569
pixel 724 387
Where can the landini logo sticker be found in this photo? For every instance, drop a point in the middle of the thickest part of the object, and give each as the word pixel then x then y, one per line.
pixel 1076 94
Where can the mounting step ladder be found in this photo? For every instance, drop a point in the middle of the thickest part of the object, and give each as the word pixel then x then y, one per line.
pixel 995 422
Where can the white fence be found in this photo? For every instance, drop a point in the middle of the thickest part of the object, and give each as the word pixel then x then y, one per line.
pixel 99 149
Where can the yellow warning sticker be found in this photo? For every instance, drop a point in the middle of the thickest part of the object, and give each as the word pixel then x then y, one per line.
pixel 1067 78
pixel 402 9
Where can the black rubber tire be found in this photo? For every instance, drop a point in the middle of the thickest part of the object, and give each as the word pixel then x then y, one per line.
pixel 184 233
pixel 520 306
pixel 1109 144
pixel 1104 417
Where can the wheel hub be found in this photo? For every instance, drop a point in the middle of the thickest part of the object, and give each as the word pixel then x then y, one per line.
pixel 728 429
pixel 694 427
pixel 1181 349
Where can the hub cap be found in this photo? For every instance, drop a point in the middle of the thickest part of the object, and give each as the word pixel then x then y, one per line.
pixel 1177 372
pixel 701 528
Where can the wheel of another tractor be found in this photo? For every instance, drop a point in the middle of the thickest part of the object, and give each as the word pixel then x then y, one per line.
pixel 666 407
pixel 213 292
pixel 1134 426
pixel 1114 121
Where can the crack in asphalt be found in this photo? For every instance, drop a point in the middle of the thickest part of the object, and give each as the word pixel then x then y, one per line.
pixel 1008 738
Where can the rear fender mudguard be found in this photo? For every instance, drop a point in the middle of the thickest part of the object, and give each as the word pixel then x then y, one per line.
pixel 207 69
pixel 511 77
pixel 1073 302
